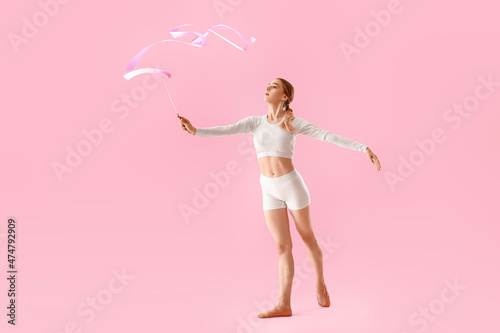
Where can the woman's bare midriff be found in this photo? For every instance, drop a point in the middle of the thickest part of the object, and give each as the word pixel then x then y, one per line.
pixel 274 166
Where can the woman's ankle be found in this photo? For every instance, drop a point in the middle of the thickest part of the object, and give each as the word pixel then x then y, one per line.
pixel 321 287
pixel 284 305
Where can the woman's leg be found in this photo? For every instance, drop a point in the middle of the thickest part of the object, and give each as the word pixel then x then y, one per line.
pixel 302 218
pixel 278 224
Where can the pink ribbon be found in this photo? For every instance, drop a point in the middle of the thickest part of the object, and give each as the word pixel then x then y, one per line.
pixel 200 41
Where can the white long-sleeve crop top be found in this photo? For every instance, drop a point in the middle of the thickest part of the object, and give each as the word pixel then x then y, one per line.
pixel 271 140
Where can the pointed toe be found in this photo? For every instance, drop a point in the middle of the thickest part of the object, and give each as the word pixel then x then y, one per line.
pixel 323 298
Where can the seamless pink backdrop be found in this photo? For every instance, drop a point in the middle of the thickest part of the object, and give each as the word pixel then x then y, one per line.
pixel 392 253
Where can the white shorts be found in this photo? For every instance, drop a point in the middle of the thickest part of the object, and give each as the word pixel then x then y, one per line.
pixel 288 190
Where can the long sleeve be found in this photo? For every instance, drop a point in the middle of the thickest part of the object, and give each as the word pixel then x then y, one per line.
pixel 245 125
pixel 304 127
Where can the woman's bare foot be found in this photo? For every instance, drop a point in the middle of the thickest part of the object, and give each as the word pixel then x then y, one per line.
pixel 277 311
pixel 323 297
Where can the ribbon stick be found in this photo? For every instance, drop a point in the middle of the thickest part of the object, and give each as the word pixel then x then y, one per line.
pixel 171 98
pixel 200 41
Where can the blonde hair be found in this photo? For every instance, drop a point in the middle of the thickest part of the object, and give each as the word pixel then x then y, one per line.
pixel 289 115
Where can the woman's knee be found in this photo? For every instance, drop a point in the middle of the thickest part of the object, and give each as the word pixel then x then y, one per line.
pixel 309 239
pixel 312 243
pixel 284 248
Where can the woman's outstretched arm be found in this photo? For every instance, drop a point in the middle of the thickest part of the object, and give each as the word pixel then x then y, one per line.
pixel 245 125
pixel 306 128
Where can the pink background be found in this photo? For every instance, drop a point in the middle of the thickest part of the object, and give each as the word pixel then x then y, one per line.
pixel 391 250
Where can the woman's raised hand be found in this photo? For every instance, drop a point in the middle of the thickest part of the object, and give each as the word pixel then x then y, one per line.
pixel 186 125
pixel 373 158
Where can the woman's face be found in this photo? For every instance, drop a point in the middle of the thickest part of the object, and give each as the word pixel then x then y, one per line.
pixel 274 93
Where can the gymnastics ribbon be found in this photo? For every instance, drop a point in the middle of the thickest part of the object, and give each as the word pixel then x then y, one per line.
pixel 200 41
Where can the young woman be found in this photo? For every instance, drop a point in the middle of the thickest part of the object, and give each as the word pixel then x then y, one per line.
pixel 282 185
